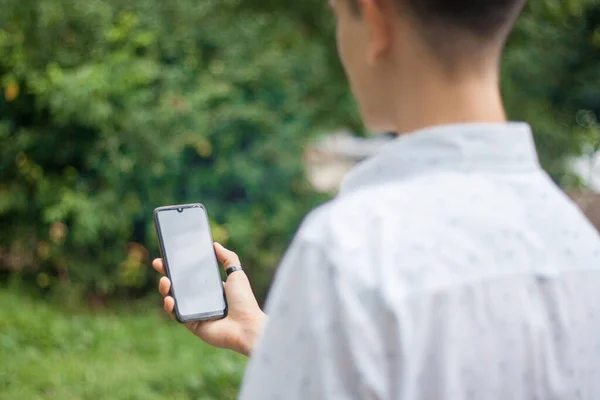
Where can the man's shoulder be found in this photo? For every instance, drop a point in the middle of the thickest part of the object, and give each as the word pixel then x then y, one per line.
pixel 396 216
pixel 352 216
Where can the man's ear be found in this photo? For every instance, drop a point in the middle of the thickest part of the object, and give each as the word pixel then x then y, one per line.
pixel 378 16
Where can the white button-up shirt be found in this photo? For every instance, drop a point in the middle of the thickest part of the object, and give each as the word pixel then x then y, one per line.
pixel 450 267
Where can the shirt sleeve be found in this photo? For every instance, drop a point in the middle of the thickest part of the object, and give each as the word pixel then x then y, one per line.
pixel 308 347
pixel 282 364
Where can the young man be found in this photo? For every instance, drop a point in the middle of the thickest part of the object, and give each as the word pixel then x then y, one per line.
pixel 450 266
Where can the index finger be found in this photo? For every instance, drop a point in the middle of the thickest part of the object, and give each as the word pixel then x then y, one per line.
pixel 159 266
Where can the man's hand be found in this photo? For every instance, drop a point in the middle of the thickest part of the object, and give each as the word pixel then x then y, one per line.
pixel 244 322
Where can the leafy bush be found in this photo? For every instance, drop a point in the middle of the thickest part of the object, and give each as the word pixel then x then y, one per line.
pixel 111 110
pixel 551 79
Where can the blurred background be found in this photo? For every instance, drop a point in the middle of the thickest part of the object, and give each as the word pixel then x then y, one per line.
pixel 110 108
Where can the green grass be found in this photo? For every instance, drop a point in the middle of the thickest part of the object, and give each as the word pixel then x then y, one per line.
pixel 49 353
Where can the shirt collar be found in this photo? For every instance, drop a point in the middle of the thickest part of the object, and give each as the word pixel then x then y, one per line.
pixel 464 147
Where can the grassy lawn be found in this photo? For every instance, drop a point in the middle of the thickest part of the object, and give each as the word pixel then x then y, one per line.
pixel 47 353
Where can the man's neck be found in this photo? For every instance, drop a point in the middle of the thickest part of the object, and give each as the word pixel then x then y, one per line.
pixel 426 101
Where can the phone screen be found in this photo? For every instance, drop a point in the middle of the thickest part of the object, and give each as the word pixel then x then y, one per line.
pixel 189 254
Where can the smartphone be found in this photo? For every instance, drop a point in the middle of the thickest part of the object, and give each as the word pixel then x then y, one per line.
pixel 190 262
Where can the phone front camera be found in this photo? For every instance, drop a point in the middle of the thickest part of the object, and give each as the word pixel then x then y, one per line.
pixel 180 209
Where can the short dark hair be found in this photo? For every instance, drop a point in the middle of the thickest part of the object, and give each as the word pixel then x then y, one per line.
pixel 443 23
pixel 485 18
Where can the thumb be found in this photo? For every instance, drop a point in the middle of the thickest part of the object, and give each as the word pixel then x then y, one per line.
pixel 227 257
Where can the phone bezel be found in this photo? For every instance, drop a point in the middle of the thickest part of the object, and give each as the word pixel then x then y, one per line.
pixel 207 316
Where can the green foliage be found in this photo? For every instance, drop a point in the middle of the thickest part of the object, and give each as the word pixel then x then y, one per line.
pixel 111 110
pixel 552 79
pixel 52 353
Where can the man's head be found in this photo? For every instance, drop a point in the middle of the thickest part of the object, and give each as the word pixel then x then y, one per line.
pixel 386 45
